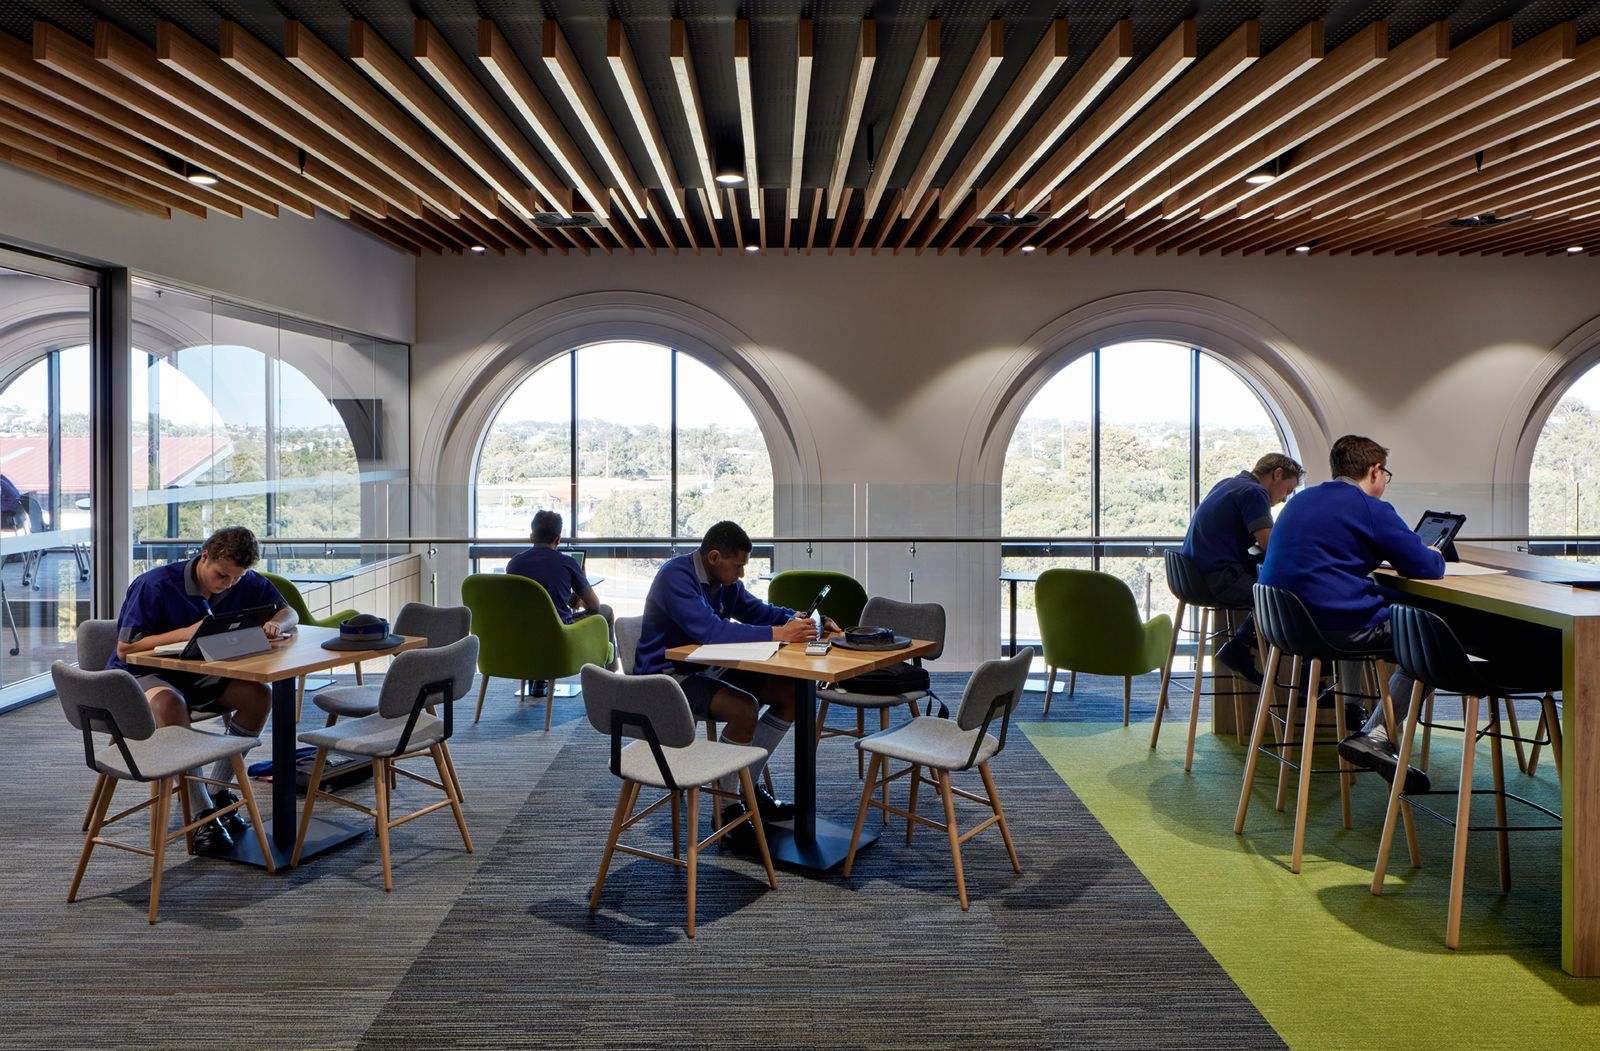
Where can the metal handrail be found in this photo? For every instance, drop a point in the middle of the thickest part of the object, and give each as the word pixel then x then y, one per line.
pixel 681 541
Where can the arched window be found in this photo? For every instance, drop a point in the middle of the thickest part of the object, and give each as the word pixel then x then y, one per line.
pixel 1121 443
pixel 624 439
pixel 1564 481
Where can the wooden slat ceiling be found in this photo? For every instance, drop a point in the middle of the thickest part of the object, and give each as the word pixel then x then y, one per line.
pixel 1134 126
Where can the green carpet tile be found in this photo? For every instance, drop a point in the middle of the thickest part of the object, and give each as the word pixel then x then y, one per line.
pixel 1326 962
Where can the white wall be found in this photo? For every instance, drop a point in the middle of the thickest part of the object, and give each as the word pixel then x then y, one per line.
pixel 319 269
pixel 898 363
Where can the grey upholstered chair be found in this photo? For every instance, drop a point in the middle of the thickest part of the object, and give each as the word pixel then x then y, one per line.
pixel 628 630
pixel 914 620
pixel 440 625
pixel 664 753
pixel 403 727
pixel 110 702
pixel 944 747
pixel 97 643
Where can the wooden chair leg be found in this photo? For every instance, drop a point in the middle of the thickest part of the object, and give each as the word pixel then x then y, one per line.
pixel 1497 753
pixel 748 785
pixel 249 798
pixel 1347 775
pixel 1516 733
pixel 1307 740
pixel 883 721
pixel 94 800
pixel 381 779
pixel 861 811
pixel 1166 675
pixel 1049 690
pixel 822 720
pixel 861 731
pixel 1427 734
pixel 159 815
pixel 1194 694
pixel 911 807
pixel 184 811
pixel 1552 722
pixel 766 779
pixel 483 689
pixel 450 763
pixel 1127 699
pixel 1257 731
pixel 440 763
pixel 358 673
pixel 549 703
pixel 1458 864
pixel 1291 733
pixel 1538 743
pixel 694 851
pixel 299 696
pixel 677 818
pixel 955 836
pixel 311 801
pixel 1390 816
pixel 625 799
pixel 999 814
pixel 103 794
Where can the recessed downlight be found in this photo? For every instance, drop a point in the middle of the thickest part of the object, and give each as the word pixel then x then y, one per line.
pixel 752 248
pixel 1260 177
pixel 1302 249
pixel 478 248
pixel 1574 249
pixel 1030 248
pixel 201 178
pixel 730 177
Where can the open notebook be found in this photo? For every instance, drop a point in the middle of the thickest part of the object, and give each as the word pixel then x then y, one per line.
pixel 737 651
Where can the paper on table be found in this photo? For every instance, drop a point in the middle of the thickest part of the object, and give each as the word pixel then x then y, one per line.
pixel 736 651
pixel 171 649
pixel 1469 569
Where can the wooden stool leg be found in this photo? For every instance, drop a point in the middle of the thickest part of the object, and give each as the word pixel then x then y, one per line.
pixel 1346 771
pixel 955 836
pixel 1516 733
pixel 380 778
pixel 1427 733
pixel 911 807
pixel 861 731
pixel 103 794
pixel 1127 698
pixel 1257 732
pixel 1194 697
pixel 1049 691
pixel 625 799
pixel 883 718
pixel 822 720
pixel 1497 753
pixel 1291 733
pixel 1306 743
pixel 749 788
pixel 311 801
pixel 159 816
pixel 549 703
pixel 999 814
pixel 1538 743
pixel 483 688
pixel 249 797
pixel 450 793
pixel 694 851
pixel 1552 722
pixel 677 850
pixel 1166 674
pixel 358 673
pixel 299 696
pixel 861 811
pixel 1458 864
pixel 94 800
pixel 450 763
pixel 1386 840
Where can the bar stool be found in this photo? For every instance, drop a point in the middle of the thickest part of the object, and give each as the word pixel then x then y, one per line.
pixel 1286 626
pixel 1429 651
pixel 1190 588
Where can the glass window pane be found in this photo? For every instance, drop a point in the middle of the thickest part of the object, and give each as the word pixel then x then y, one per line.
pixel 1236 429
pixel 1564 489
pixel 525 463
pixel 624 440
pixel 1045 486
pixel 1144 440
pixel 724 471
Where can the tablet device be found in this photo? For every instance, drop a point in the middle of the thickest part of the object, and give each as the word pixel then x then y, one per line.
pixel 1438 529
pixel 809 611
pixel 225 636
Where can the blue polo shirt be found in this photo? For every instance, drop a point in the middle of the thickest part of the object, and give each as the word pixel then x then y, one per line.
pixel 555 571
pixel 684 606
pixel 169 597
pixel 1326 544
pixel 1224 525
pixel 10 499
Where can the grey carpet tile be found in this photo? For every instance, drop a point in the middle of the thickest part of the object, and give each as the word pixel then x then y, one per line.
pixel 498 949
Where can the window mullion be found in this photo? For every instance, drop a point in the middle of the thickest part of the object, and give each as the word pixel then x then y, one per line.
pixel 572 362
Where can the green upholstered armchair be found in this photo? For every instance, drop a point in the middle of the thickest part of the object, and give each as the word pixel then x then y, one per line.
pixel 796 588
pixel 297 602
pixel 521 636
pixel 1089 622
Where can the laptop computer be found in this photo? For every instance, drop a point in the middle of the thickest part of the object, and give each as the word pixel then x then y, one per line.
pixel 225 636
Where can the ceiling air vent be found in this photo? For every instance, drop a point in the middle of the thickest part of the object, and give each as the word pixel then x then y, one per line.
pixel 1008 220
pixel 557 221
pixel 1481 219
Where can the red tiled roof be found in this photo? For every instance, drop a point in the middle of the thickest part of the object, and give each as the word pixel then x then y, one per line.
pixel 25 459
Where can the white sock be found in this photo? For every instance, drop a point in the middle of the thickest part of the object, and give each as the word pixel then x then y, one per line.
pixel 199 798
pixel 222 769
pixel 770 732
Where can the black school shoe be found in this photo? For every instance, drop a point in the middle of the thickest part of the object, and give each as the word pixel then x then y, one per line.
pixel 211 840
pixel 235 821
pixel 1375 752
pixel 742 838
pixel 773 808
pixel 1239 658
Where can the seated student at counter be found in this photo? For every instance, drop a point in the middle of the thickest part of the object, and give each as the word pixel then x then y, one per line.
pixel 557 572
pixel 698 598
pixel 166 605
pixel 1325 545
pixel 1235 516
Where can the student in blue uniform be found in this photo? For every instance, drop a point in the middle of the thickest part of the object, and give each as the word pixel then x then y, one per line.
pixel 1325 545
pixel 166 605
pixel 557 572
pixel 1235 516
pixel 698 598
pixel 11 514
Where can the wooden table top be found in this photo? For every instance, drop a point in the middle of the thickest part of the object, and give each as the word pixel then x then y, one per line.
pixel 1536 600
pixel 289 659
pixel 791 662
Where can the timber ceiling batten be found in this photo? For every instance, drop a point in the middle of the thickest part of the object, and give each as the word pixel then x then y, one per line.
pixel 455 133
